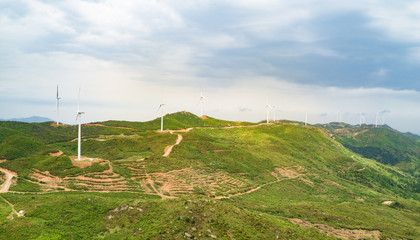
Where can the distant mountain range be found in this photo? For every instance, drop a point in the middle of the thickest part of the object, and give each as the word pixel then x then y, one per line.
pixel 33 119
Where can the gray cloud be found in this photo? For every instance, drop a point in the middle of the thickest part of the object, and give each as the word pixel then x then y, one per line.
pixel 305 55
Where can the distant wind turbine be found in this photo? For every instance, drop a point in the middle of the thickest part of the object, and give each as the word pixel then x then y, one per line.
pixel 268 108
pixel 274 107
pixel 362 118
pixel 161 116
pixel 201 103
pixel 57 105
pixel 79 118
pixel 377 119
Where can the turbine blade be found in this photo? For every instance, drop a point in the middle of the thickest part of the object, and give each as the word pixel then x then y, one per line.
pixel 160 106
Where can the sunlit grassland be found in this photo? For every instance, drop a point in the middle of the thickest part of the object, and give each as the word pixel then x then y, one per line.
pixel 331 185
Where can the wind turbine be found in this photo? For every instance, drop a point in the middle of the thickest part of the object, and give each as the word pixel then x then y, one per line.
pixel 161 116
pixel 79 118
pixel 377 119
pixel 274 107
pixel 58 104
pixel 362 118
pixel 201 103
pixel 268 108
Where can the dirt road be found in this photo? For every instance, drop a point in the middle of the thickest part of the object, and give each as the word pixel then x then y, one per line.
pixel 9 175
pixel 168 149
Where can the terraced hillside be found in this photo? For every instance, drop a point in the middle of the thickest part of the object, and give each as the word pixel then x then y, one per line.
pixel 203 178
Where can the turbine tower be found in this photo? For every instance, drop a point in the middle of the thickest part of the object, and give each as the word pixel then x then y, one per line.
pixel 79 119
pixel 377 119
pixel 161 116
pixel 362 118
pixel 274 107
pixel 57 104
pixel 201 103
pixel 268 108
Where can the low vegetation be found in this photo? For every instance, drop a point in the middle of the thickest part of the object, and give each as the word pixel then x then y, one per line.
pixel 224 180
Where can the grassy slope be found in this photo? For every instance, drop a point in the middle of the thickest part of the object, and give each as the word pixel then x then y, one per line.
pixel 338 188
pixel 133 216
pixel 385 145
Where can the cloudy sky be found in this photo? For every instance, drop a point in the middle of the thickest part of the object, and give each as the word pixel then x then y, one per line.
pixel 321 57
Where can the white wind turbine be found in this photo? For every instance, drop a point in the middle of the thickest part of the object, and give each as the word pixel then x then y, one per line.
pixel 362 118
pixel 161 116
pixel 79 118
pixel 268 108
pixel 201 103
pixel 274 107
pixel 377 119
pixel 57 104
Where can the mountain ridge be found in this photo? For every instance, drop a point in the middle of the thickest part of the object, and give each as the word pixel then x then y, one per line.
pixel 221 178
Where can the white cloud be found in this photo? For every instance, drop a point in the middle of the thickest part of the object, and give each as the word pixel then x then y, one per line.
pixel 123 52
pixel 398 19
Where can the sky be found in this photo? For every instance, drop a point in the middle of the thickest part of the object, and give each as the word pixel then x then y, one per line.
pixel 323 57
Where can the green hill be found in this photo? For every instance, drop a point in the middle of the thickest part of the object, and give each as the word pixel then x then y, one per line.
pixel 224 180
pixel 178 120
pixel 382 144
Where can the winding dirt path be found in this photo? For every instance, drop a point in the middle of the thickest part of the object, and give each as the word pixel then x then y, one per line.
pixel 168 149
pixel 9 175
pixel 152 185
pixel 14 212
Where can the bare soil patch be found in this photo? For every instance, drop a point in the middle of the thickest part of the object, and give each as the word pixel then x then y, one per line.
pixel 46 180
pixel 84 162
pixel 56 154
pixel 388 203
pixel 290 172
pixel 184 181
pixel 357 133
pixel 339 233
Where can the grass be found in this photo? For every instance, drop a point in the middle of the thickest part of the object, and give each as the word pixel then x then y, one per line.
pixel 347 206
pixel 382 144
pixel 24 185
pixel 338 187
pixel 78 215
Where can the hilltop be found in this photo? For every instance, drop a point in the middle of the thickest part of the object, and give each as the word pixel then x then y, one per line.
pixel 218 179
